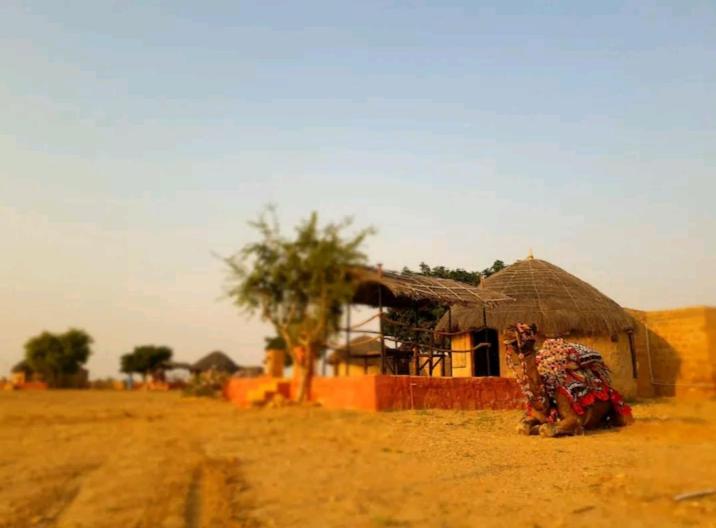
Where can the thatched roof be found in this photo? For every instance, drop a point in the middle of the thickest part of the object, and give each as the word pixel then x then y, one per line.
pixel 361 346
pixel 558 302
pixel 216 360
pixel 404 289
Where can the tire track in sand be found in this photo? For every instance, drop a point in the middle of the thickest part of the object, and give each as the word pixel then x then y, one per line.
pixel 216 497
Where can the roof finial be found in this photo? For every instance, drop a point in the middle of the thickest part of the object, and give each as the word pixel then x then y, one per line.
pixel 530 255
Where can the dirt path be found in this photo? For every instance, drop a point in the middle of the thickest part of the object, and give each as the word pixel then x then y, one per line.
pixel 96 459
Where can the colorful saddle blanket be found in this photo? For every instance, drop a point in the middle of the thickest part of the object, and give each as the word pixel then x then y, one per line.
pixel 579 373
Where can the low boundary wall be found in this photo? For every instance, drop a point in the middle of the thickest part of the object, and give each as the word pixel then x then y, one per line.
pixel 387 393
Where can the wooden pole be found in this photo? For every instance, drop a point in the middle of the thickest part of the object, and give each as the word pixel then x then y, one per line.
pixel 450 337
pixel 416 346
pixel 432 346
pixel 348 339
pixel 382 335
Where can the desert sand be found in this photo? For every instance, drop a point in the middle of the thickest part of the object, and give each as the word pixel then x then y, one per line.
pixel 115 459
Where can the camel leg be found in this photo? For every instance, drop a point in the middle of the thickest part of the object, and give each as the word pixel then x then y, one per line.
pixel 618 419
pixel 570 423
pixel 529 425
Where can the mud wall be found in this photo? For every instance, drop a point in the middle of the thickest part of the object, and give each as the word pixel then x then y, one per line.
pixel 676 351
pixel 384 392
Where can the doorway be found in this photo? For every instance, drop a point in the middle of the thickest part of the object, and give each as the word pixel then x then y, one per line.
pixel 486 360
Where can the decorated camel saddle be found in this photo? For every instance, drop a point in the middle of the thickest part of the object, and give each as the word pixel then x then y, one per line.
pixel 567 386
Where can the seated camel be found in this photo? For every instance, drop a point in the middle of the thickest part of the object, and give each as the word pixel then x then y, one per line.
pixel 567 385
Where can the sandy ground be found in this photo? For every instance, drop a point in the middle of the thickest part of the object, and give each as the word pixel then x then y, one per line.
pixel 113 459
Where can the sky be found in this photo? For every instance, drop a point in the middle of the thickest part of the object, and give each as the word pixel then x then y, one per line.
pixel 137 139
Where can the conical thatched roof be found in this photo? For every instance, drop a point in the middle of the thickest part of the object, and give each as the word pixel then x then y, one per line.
pixel 216 360
pixel 558 302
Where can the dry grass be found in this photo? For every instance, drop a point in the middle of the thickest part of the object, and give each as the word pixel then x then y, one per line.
pixel 97 459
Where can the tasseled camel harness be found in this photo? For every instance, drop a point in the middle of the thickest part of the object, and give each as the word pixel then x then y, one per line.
pixel 570 369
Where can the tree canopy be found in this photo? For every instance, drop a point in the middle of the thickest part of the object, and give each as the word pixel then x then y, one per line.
pixel 299 284
pixel 56 355
pixel 145 359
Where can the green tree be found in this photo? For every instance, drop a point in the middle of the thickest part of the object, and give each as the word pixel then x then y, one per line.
pixel 145 359
pixel 426 315
pixel 298 284
pixel 128 364
pixel 56 355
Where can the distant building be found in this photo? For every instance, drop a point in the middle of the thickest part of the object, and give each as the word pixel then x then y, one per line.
pixel 217 361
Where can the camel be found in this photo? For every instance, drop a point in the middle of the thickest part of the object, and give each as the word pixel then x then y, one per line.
pixel 567 386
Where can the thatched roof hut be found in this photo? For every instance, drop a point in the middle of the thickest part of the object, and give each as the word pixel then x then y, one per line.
pixel 558 302
pixel 215 360
pixel 378 286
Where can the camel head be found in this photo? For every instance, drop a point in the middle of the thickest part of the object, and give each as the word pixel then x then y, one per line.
pixel 520 339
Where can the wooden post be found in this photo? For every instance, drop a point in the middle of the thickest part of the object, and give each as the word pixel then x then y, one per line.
pixel 632 353
pixel 382 335
pixel 432 346
pixel 416 346
pixel 450 337
pixel 348 339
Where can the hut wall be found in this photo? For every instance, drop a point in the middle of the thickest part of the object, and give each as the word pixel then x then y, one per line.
pixel 676 351
pixel 356 367
pixel 462 363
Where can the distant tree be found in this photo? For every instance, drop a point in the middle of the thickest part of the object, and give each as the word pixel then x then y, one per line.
pixel 299 284
pixel 145 359
pixel 426 315
pixel 55 355
pixel 128 364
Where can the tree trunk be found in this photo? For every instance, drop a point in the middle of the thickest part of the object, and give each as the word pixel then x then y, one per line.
pixel 304 360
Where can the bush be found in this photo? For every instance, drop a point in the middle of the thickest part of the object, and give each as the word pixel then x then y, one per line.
pixel 208 384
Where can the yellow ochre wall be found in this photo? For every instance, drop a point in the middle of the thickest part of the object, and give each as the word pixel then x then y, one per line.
pixel 676 351
pixel 461 362
pixel 356 368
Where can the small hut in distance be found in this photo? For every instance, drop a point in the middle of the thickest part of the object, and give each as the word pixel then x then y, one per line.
pixel 217 361
pixel 363 357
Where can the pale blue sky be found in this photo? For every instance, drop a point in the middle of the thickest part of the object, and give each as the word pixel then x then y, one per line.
pixel 135 140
